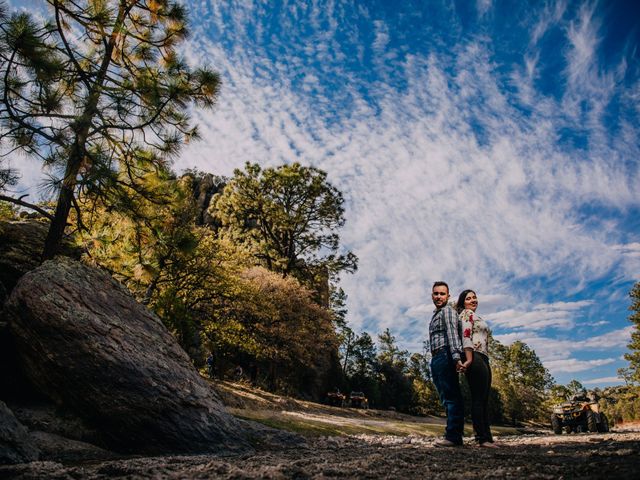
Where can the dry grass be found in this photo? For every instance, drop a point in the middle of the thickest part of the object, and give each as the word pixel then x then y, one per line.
pixel 313 419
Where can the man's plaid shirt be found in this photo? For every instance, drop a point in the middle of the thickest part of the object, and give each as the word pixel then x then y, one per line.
pixel 444 330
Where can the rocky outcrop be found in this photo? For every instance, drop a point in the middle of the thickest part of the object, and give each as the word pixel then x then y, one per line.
pixel 21 245
pixel 86 344
pixel 16 446
pixel 205 186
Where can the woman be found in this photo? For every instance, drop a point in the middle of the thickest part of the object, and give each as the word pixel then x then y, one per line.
pixel 475 338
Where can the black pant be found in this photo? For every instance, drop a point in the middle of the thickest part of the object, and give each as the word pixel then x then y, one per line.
pixel 479 379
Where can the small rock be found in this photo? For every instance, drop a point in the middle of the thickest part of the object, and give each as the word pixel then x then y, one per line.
pixel 16 446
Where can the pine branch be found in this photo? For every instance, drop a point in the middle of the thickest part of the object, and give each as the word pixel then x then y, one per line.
pixel 22 203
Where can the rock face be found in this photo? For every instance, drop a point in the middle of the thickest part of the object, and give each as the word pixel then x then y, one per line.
pixel 15 444
pixel 21 243
pixel 204 188
pixel 20 247
pixel 90 347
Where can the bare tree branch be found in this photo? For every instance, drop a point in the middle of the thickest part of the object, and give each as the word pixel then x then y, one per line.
pixel 22 203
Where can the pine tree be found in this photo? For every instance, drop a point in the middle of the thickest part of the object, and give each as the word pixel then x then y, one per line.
pixel 96 92
pixel 632 374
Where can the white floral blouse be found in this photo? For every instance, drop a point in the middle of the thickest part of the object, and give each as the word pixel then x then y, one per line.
pixel 475 331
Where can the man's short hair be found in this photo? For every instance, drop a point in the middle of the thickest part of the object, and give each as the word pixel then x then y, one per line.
pixel 440 283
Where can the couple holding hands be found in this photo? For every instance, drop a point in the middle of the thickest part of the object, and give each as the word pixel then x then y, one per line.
pixel 458 339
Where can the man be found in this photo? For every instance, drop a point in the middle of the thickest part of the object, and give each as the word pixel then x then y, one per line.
pixel 210 365
pixel 446 353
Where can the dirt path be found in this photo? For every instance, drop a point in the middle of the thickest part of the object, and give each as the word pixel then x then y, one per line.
pixel 356 444
pixel 614 455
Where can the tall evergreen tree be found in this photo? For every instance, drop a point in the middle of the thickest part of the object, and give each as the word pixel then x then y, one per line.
pixel 362 368
pixel 575 387
pixel 395 384
pixel 390 352
pixel 632 373
pixel 98 90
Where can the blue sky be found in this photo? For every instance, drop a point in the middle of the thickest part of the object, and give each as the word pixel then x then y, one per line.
pixel 492 144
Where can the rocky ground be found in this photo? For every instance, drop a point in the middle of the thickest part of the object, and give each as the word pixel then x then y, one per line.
pixel 541 456
pixel 339 443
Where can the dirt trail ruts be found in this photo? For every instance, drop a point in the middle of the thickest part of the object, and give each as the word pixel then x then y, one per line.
pixel 613 455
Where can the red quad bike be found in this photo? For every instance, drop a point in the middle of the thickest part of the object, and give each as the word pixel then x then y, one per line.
pixel 336 399
pixel 358 400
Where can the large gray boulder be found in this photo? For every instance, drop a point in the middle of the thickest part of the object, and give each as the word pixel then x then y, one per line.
pixel 85 343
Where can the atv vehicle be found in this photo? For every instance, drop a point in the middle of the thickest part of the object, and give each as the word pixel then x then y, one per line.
pixel 336 399
pixel 358 400
pixel 578 415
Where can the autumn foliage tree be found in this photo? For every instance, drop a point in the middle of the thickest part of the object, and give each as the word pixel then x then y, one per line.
pixel 271 325
pixel 99 93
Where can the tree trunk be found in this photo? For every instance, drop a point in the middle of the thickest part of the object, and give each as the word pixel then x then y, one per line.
pixel 65 197
pixel 59 222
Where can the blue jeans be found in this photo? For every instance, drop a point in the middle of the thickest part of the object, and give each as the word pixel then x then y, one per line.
pixel 445 378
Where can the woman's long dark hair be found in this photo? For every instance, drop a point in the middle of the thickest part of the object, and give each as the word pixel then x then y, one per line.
pixel 461 297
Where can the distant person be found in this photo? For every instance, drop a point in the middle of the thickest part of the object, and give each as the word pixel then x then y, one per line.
pixel 475 340
pixel 445 343
pixel 210 365
pixel 238 372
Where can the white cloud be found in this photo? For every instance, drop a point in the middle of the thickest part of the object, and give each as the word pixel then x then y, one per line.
pixel 558 355
pixel 381 37
pixel 600 381
pixel 419 311
pixel 490 303
pixel 542 316
pixel 572 365
pixel 549 17
pixel 630 259
pixel 583 37
pixel 564 306
pixel 613 339
pixel 598 323
pixel 630 249
pixel 549 348
pixel 483 6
